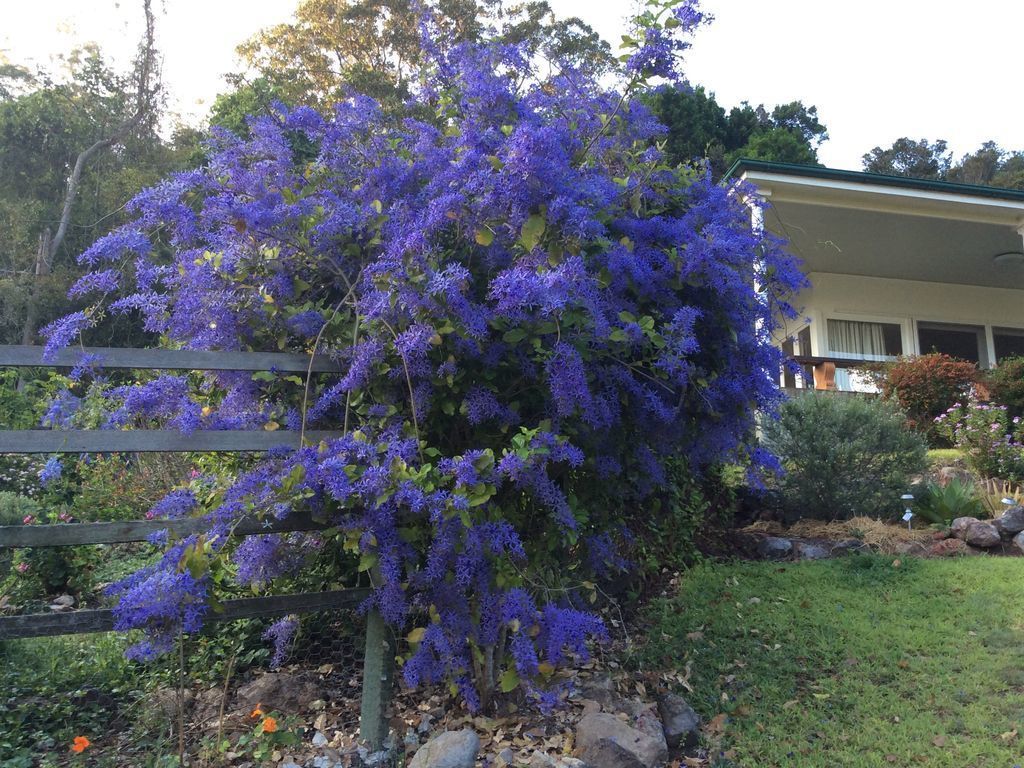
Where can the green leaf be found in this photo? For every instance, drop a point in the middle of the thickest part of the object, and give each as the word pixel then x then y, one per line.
pixel 532 231
pixel 515 335
pixel 484 237
pixel 367 560
pixel 509 681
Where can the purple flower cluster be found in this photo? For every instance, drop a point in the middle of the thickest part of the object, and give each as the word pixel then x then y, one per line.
pixel 529 313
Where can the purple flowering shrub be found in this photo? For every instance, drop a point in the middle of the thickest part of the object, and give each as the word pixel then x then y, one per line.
pixel 992 442
pixel 530 313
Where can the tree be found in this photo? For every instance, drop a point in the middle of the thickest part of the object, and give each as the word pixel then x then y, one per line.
pixel 49 138
pixel 698 128
pixel 906 157
pixel 334 48
pixel 979 167
pixel 531 311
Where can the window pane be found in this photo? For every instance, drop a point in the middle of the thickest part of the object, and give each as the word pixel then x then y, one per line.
pixel 1009 342
pixel 855 338
pixel 963 342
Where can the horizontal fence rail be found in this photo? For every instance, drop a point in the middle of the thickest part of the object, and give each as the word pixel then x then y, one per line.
pixel 152 440
pixel 30 356
pixel 380 652
pixel 102 619
pixel 122 532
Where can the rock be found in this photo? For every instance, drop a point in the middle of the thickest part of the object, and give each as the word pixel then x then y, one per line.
pixel 1011 522
pixel 808 550
pixel 946 475
pixel 594 734
pixel 915 548
pixel 425 722
pixel 850 545
pixel 680 723
pixel 1018 541
pixel 601 689
pixel 959 526
pixel 68 601
pixel 982 534
pixel 774 548
pixel 451 749
pixel 323 762
pixel 319 740
pixel 948 548
pixel 505 758
pixel 608 754
pixel 645 718
pixel 282 691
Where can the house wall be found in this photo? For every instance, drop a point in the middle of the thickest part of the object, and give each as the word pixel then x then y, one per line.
pixel 907 302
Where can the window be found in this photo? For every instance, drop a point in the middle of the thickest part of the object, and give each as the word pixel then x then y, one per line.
pixel 964 342
pixel 859 339
pixel 1009 342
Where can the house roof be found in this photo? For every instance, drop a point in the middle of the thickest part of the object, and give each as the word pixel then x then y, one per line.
pixel 894 227
pixel 747 165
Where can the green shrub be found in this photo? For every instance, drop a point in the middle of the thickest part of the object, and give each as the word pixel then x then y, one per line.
pixel 1005 385
pixel 926 386
pixel 844 456
pixel 942 504
pixel 14 508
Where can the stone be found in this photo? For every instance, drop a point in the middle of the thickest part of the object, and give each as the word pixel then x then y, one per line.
pixel 850 545
pixel 645 718
pixel 323 762
pixel 601 689
pixel 1011 522
pixel 775 548
pixel 959 526
pixel 1018 541
pixel 809 550
pixel 319 740
pixel 282 691
pixel 609 754
pixel 981 534
pixel 680 723
pixel 451 749
pixel 594 734
pixel 946 475
pixel 948 548
pixel 505 758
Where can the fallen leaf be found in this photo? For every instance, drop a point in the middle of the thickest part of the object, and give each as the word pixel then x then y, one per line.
pixel 939 741
pixel 1009 735
pixel 790 704
pixel 716 724
pixel 891 758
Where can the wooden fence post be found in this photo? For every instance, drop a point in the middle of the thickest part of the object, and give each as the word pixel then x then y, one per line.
pixel 378 670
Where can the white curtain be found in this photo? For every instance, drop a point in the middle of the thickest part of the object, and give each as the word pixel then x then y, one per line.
pixel 853 338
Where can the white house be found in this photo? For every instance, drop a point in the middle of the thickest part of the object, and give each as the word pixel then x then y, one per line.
pixel 897 266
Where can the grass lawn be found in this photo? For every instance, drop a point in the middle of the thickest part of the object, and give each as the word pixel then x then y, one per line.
pixel 942 457
pixel 852 662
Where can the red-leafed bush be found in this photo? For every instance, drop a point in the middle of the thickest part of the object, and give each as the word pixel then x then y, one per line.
pixel 926 386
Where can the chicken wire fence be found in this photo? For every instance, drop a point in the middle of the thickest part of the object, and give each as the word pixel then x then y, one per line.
pixel 77 700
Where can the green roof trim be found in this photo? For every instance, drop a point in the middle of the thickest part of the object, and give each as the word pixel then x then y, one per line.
pixel 743 165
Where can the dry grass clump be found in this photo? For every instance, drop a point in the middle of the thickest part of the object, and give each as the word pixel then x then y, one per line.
pixel 886 538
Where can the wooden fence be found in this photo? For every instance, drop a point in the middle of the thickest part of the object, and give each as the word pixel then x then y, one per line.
pixel 380 651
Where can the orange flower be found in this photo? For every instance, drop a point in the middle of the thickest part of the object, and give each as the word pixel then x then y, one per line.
pixel 256 712
pixel 269 725
pixel 80 744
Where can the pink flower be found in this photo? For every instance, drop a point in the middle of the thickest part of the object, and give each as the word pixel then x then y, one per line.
pixel 21 567
pixel 28 519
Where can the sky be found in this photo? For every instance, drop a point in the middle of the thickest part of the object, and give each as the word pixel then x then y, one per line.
pixel 875 69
